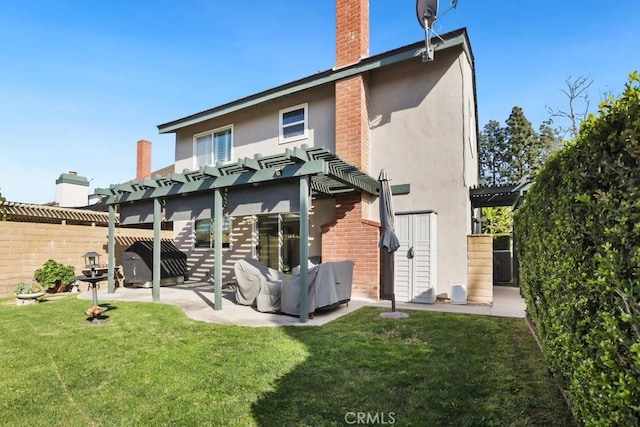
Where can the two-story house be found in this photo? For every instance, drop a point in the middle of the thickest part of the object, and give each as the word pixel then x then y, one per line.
pixel 392 111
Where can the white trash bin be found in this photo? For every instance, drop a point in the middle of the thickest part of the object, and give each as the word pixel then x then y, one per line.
pixel 458 294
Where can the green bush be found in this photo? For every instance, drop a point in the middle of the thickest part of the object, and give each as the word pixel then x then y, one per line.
pixel 53 273
pixel 579 248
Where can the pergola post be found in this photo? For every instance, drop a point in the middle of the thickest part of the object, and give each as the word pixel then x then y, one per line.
pixel 156 248
pixel 217 247
pixel 304 248
pixel 111 249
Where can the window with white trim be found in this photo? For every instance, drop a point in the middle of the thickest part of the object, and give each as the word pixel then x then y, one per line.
pixel 293 123
pixel 213 146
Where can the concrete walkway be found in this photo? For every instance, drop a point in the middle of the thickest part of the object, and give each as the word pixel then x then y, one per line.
pixel 197 301
pixel 507 302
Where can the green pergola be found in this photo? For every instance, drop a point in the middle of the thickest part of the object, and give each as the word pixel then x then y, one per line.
pixel 491 196
pixel 308 171
pixel 501 195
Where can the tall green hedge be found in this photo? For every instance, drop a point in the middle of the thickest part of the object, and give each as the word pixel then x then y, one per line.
pixel 579 246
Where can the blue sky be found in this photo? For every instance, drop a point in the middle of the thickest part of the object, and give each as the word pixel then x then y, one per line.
pixel 82 81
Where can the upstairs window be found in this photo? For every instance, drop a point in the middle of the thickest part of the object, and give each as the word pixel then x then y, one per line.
pixel 213 146
pixel 293 123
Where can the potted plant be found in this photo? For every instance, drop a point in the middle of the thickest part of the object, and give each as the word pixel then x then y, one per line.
pixel 28 293
pixel 54 275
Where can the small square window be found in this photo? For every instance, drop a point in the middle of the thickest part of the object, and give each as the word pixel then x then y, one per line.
pixel 293 123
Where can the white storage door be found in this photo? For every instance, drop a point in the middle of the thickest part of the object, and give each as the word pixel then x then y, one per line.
pixel 402 271
pixel 415 260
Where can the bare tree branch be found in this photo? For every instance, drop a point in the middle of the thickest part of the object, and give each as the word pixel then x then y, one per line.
pixel 577 94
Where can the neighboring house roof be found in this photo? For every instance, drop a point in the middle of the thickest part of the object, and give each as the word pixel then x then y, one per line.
pixel 446 41
pixel 26 212
pixel 165 171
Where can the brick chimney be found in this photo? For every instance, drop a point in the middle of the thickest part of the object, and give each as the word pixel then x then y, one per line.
pixel 352 31
pixel 352 115
pixel 353 235
pixel 143 164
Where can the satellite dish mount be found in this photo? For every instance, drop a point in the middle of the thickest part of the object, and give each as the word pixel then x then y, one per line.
pixel 427 13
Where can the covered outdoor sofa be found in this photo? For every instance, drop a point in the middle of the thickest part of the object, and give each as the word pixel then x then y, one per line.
pixel 329 285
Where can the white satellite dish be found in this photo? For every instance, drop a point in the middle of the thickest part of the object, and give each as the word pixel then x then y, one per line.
pixel 427 13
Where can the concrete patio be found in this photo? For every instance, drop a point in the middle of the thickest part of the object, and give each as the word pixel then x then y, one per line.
pixel 197 301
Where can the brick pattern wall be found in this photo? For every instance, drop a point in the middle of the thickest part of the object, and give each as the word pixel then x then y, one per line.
pixel 480 268
pixel 350 237
pixel 352 31
pixel 25 247
pixel 352 121
pixel 143 163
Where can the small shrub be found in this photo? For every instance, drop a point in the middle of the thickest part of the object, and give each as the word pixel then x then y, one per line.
pixel 53 274
pixel 27 288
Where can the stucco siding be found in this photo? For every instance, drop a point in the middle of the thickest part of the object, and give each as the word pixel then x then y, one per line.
pixel 423 134
pixel 255 129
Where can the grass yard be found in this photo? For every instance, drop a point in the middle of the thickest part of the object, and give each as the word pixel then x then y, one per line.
pixel 151 365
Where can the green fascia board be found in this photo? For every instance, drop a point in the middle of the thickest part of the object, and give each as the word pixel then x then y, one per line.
pixel 454 38
pixel 400 189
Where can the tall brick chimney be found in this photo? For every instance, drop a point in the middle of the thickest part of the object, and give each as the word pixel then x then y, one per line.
pixel 353 235
pixel 143 164
pixel 352 116
pixel 352 31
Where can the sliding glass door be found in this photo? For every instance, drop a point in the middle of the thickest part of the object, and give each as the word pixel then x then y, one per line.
pixel 279 241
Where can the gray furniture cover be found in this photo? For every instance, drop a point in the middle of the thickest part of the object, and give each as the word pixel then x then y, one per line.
pixel 329 285
pixel 270 290
pixel 258 284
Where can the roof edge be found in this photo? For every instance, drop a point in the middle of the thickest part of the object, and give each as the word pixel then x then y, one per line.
pixel 445 41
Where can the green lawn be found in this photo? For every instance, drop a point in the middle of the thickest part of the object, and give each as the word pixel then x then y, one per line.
pixel 151 365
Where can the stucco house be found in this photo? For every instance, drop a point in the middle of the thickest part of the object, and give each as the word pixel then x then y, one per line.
pixel 329 135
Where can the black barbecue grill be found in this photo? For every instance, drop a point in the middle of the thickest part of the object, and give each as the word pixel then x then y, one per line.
pixel 137 262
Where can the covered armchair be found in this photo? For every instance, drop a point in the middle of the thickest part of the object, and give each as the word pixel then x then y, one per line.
pixel 329 285
pixel 258 284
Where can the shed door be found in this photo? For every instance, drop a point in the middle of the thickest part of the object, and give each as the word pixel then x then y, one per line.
pixel 415 263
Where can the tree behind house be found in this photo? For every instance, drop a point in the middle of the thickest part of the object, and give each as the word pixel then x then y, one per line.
pixel 493 153
pixel 516 151
pixel 524 152
pixel 510 154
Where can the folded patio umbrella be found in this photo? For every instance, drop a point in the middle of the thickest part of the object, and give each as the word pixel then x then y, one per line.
pixel 388 240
